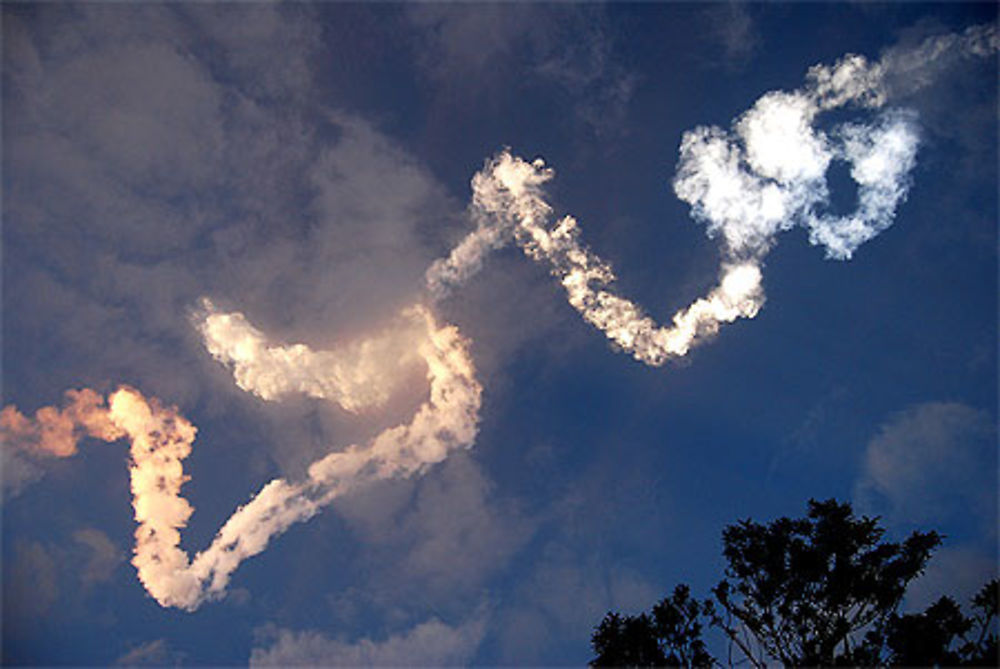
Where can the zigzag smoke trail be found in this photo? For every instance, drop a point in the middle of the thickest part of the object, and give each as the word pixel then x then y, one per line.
pixel 766 175
pixel 161 439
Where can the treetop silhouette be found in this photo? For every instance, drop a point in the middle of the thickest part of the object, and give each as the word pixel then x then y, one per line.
pixel 819 590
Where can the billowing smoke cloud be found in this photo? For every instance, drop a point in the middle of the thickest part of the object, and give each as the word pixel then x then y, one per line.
pixel 764 175
pixel 770 175
pixel 161 439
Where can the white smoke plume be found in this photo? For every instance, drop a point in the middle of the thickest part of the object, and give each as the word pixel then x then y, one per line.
pixel 769 175
pixel 764 175
pixel 161 439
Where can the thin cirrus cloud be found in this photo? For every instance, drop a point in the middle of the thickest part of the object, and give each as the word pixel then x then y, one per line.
pixel 431 643
pixel 569 50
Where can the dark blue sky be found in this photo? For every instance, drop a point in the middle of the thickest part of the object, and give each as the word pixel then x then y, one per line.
pixel 305 164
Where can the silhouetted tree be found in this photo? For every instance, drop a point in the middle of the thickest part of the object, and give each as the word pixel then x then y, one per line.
pixel 678 628
pixel 941 635
pixel 823 589
pixel 803 587
pixel 628 641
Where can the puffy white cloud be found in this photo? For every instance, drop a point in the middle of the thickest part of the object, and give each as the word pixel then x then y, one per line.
pixel 444 538
pixel 770 175
pixel 931 463
pixel 930 466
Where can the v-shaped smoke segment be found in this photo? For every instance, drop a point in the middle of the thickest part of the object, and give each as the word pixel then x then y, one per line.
pixel 161 439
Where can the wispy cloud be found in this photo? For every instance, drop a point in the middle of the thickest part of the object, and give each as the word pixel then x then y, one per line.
pixel 931 463
pixel 562 597
pixel 30 584
pixel 958 572
pixel 567 48
pixel 102 557
pixel 446 538
pixel 429 644
pixel 155 153
pixel 732 27
pixel 931 466
pixel 155 653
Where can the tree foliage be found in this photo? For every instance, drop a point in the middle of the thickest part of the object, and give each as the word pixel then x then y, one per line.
pixel 672 636
pixel 818 590
pixel 677 622
pixel 941 635
pixel 629 641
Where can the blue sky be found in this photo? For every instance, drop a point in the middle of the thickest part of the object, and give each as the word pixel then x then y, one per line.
pixel 305 164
